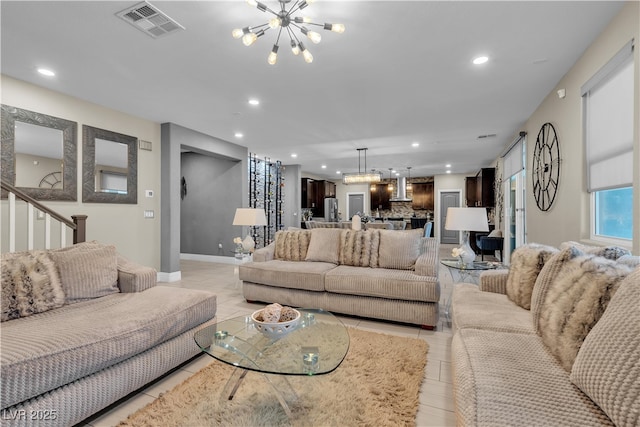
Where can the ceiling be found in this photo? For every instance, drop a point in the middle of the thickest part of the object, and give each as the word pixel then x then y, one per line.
pixel 401 73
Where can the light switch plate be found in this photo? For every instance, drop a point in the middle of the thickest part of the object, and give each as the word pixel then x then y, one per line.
pixel 148 214
pixel 148 193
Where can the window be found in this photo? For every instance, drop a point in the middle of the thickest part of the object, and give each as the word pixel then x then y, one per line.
pixel 608 133
pixel 613 213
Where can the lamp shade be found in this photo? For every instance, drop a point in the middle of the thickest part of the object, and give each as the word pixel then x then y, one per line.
pixel 467 219
pixel 249 216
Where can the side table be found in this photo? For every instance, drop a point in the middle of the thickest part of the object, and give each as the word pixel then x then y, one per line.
pixel 465 273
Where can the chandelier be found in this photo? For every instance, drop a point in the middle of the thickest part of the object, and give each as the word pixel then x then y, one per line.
pixel 284 20
pixel 361 178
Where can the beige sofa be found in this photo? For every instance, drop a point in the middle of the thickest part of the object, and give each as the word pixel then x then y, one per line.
pixel 382 274
pixel 82 327
pixel 554 341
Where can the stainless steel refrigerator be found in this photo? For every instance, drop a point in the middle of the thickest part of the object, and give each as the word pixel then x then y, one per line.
pixel 331 209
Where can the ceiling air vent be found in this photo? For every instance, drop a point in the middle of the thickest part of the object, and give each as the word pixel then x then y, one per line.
pixel 149 19
pixel 491 135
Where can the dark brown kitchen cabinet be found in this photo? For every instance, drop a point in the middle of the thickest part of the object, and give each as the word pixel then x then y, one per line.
pixel 314 191
pixel 480 188
pixel 470 190
pixel 380 196
pixel 485 187
pixel 422 196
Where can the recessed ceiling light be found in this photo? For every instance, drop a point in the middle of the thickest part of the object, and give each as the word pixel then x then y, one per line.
pixel 448 171
pixel 448 165
pixel 238 135
pixel 323 166
pixel 254 101
pixel 337 172
pixel 480 60
pixel 46 72
pixel 415 144
pixel 294 155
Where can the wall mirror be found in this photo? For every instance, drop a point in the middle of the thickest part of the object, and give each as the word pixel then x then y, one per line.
pixel 109 166
pixel 39 154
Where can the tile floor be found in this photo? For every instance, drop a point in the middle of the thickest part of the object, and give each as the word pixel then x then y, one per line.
pixel 436 399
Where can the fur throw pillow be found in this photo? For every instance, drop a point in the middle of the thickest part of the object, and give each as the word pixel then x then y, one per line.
pixel 359 248
pixel 526 263
pixel 608 252
pixel 30 285
pixel 292 245
pixel 575 300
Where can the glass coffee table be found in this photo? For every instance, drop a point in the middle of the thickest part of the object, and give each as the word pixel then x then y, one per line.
pixel 317 346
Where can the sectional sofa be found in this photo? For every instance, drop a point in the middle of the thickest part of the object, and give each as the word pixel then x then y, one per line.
pixel 382 274
pixel 83 327
pixel 553 341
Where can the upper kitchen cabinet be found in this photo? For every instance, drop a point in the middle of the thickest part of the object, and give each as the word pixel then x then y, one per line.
pixel 422 196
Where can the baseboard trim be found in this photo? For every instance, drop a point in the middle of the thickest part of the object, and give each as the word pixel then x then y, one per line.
pixel 211 258
pixel 169 277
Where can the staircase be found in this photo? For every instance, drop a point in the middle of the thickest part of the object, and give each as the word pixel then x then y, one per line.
pixel 77 223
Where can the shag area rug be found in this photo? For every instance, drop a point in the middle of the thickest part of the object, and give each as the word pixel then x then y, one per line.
pixel 376 385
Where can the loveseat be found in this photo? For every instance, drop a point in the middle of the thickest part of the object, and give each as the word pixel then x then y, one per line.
pixel 381 274
pixel 83 327
pixel 553 341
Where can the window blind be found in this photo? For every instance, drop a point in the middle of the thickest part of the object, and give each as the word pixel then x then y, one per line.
pixel 608 123
pixel 513 161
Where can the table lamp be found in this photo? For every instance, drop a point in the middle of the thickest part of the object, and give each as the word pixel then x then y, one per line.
pixel 465 220
pixel 251 217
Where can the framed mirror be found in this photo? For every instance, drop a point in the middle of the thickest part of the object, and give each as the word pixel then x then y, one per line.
pixel 109 166
pixel 39 154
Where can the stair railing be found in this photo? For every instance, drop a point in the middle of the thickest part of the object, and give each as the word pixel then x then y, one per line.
pixel 77 223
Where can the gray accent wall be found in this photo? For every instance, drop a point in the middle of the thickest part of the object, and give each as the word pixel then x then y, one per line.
pixel 174 140
pixel 292 196
pixel 213 187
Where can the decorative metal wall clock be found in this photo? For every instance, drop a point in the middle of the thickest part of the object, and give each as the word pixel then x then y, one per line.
pixel 546 167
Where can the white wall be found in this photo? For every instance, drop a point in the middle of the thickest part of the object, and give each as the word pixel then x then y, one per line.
pixel 119 224
pixel 447 182
pixel 569 216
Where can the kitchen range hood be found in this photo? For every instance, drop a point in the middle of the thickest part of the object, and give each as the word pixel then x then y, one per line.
pixel 401 191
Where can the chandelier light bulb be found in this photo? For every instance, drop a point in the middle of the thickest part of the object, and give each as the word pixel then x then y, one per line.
pixel 312 35
pixel 273 56
pixel 307 56
pixel 302 20
pixel 336 28
pixel 253 3
pixel 275 22
pixel 249 38
pixel 294 48
pixel 237 33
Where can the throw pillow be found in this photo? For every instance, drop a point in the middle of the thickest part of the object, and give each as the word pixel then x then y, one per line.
pixel 575 300
pixel 630 260
pixel 526 263
pixel 399 249
pixel 495 233
pixel 607 368
pixel 30 285
pixel 609 252
pixel 292 245
pixel 87 271
pixel 324 245
pixel 359 248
